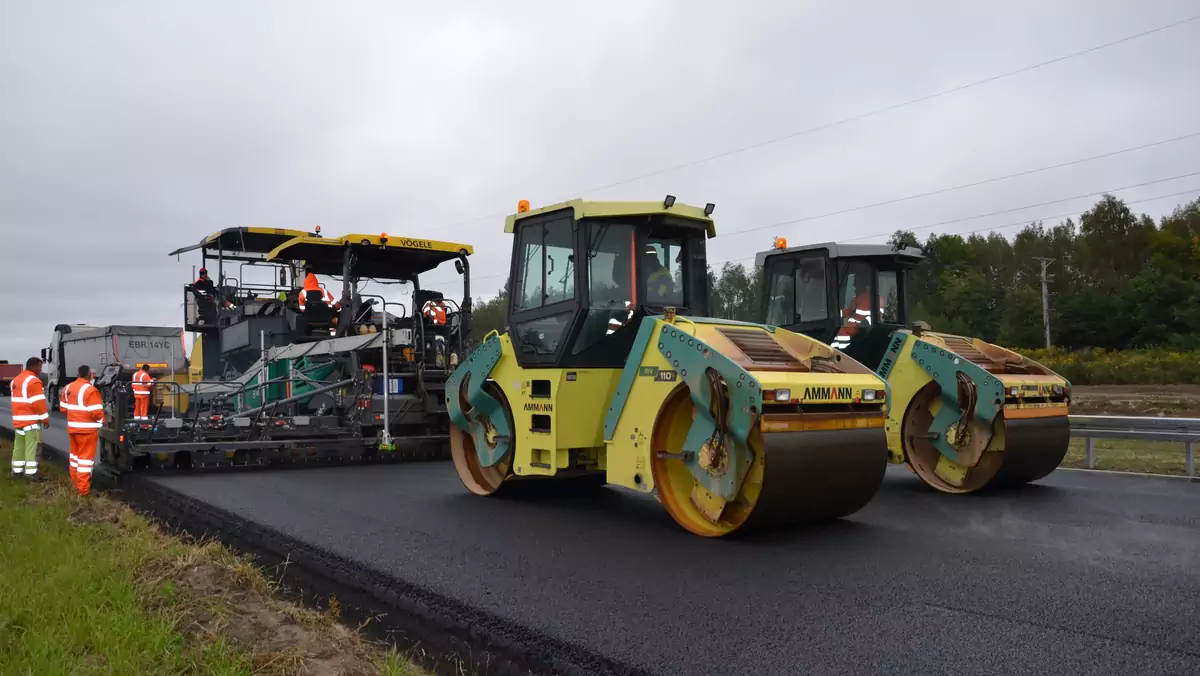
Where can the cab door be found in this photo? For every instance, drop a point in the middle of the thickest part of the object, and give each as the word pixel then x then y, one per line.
pixel 798 294
pixel 544 301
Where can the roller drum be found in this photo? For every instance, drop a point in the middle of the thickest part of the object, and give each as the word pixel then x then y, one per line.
pixel 817 475
pixel 1033 448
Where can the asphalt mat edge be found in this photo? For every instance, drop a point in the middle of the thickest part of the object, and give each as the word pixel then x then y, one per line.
pixel 444 634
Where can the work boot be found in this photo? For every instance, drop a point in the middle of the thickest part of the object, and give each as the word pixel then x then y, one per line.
pixel 36 478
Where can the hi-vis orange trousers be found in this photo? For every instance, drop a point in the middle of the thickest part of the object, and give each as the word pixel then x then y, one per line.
pixel 83 458
pixel 141 406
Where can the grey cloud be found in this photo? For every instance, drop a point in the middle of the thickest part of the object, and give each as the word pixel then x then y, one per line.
pixel 131 129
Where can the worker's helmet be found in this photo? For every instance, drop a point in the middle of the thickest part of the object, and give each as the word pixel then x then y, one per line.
pixel 203 271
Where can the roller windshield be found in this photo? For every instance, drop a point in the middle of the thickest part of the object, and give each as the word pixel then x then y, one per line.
pixel 796 291
pixel 655 267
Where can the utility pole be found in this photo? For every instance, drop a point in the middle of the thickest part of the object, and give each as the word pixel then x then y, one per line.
pixel 1046 279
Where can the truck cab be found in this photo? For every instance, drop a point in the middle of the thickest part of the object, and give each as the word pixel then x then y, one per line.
pixel 848 296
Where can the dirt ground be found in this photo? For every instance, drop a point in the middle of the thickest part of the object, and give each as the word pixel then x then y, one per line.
pixel 1179 401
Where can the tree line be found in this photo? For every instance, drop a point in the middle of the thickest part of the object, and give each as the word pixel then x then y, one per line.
pixel 1118 280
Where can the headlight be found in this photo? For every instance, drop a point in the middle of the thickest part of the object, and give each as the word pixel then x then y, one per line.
pixel 868 395
pixel 783 394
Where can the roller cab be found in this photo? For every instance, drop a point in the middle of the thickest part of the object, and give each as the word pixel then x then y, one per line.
pixel 612 371
pixel 963 413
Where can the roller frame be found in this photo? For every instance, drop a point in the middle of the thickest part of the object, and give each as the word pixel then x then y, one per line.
pixel 693 357
pixel 942 365
pixel 476 370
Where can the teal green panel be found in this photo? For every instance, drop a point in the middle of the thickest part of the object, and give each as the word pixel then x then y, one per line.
pixel 693 358
pixel 617 405
pixel 476 370
pixel 943 366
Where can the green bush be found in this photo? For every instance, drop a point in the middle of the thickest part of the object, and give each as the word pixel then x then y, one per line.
pixel 1151 366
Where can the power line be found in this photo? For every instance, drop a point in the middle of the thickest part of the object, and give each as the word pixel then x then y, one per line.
pixel 896 106
pixel 1068 214
pixel 988 228
pixel 1032 206
pixel 991 228
pixel 961 219
pixel 940 191
pixel 862 116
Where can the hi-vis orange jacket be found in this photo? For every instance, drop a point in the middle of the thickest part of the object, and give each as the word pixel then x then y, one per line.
pixel 142 383
pixel 28 401
pixel 326 296
pixel 436 310
pixel 84 407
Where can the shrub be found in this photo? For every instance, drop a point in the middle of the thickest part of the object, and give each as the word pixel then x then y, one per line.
pixel 1151 366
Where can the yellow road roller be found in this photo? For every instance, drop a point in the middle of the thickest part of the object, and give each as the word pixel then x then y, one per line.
pixel 964 414
pixel 612 369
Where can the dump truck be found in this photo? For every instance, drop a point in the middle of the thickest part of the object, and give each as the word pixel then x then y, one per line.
pixel 286 374
pixel 127 347
pixel 964 414
pixel 614 372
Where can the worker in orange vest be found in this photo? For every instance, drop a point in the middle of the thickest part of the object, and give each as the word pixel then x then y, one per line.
pixel 326 295
pixel 857 313
pixel 85 416
pixel 142 384
pixel 311 283
pixel 30 417
pixel 435 310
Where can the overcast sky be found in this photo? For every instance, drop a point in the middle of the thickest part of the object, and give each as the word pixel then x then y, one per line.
pixel 128 129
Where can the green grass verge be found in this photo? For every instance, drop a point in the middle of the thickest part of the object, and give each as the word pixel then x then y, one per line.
pixel 90 587
pixel 1153 457
pixel 72 603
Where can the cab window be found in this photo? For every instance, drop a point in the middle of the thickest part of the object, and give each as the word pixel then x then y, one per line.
pixel 662 268
pixel 544 284
pixel 781 294
pixel 811 299
pixel 889 297
pixel 854 292
pixel 610 281
pixel 796 291
pixel 545 270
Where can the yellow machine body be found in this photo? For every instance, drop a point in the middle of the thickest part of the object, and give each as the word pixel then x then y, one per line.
pixel 1025 440
pixel 731 425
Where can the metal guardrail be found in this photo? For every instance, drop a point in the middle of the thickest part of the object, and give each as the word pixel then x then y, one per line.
pixel 1146 428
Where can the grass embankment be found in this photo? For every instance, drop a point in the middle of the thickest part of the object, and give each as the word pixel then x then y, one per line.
pixel 1130 455
pixel 90 587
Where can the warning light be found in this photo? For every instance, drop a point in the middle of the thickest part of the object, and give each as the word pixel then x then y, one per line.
pixel 383 238
pixel 780 242
pixel 522 206
pixel 318 229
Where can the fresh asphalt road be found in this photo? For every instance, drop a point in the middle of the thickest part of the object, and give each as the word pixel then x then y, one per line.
pixel 1083 573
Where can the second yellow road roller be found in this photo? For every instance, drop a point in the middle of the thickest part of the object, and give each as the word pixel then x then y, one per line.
pixel 964 414
pixel 611 368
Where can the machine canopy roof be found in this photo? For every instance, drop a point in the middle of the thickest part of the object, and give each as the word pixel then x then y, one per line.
pixel 590 209
pixel 393 258
pixel 909 255
pixel 234 241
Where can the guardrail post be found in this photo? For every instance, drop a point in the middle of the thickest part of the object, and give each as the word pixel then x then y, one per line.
pixel 1091 452
pixel 1191 458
